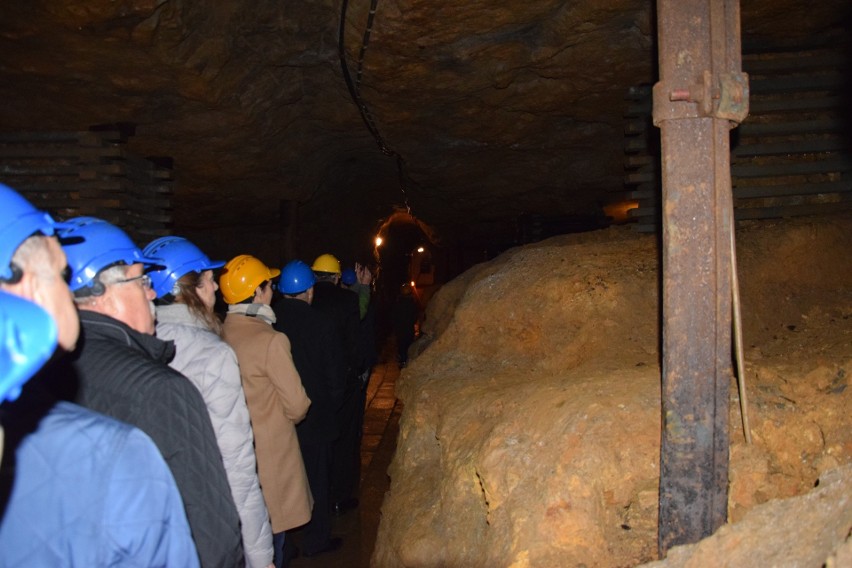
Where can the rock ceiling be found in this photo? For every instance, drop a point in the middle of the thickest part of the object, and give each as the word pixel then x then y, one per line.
pixel 471 113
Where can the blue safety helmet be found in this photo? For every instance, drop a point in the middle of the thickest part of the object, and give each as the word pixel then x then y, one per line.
pixel 296 277
pixel 28 338
pixel 18 221
pixel 348 276
pixel 104 245
pixel 178 256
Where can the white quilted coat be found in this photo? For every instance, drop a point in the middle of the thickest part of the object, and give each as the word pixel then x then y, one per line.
pixel 212 367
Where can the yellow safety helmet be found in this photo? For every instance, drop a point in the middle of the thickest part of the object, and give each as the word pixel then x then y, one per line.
pixel 242 275
pixel 326 263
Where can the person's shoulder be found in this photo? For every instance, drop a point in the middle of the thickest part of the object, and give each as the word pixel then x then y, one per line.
pixel 203 337
pixel 150 367
pixel 186 335
pixel 107 363
pixel 338 296
pixel 215 350
pixel 280 338
pixel 322 320
pixel 254 333
pixel 158 378
pixel 84 429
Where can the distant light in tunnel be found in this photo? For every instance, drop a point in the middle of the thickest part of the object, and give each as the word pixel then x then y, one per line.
pixel 619 212
pixel 379 241
pixel 413 285
pixel 420 249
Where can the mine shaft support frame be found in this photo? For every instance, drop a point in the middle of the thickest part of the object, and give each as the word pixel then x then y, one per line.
pixel 700 96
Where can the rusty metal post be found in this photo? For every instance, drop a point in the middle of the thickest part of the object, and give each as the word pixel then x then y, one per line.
pixel 701 95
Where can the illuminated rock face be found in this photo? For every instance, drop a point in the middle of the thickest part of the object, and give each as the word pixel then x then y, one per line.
pixel 531 429
pixel 494 109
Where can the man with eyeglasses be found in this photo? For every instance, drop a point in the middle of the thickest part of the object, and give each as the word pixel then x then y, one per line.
pixel 71 477
pixel 124 373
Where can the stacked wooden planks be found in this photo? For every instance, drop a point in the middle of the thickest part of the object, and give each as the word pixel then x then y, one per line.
pixel 790 157
pixel 89 173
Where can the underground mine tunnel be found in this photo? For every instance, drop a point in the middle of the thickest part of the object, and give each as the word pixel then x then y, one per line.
pixel 509 157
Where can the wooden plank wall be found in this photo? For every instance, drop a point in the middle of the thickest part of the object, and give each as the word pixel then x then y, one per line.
pixel 72 174
pixel 790 157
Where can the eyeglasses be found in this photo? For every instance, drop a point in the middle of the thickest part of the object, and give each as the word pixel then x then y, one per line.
pixel 144 280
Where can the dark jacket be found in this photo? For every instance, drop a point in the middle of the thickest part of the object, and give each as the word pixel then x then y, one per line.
pixel 318 356
pixel 342 307
pixel 124 374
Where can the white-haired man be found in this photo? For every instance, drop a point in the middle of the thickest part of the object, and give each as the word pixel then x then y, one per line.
pixel 124 373
pixel 75 475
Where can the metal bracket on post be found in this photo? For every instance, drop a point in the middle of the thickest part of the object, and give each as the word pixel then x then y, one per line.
pixel 725 97
pixel 733 97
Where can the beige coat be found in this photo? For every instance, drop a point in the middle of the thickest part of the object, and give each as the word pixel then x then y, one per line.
pixel 277 402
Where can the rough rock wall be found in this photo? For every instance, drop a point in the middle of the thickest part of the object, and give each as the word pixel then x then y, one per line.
pixel 495 107
pixel 530 435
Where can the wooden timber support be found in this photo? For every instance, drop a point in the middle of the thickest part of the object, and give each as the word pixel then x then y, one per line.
pixel 78 173
pixel 791 157
pixel 700 96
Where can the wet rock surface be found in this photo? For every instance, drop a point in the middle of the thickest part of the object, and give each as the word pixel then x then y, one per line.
pixel 531 429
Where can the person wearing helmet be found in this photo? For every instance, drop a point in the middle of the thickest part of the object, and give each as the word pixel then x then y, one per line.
pixel 54 485
pixel 367 350
pixel 358 280
pixel 123 372
pixel 51 483
pixel 341 306
pixel 318 357
pixel 28 337
pixel 274 393
pixel 348 277
pixel 186 295
pixel 32 262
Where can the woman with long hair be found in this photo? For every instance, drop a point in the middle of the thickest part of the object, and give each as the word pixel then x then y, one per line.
pixel 186 296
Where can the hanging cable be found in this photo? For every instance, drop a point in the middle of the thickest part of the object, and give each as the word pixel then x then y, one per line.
pixel 399 167
pixel 355 89
pixel 364 43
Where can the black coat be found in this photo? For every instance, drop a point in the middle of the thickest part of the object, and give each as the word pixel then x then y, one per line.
pixel 124 374
pixel 318 356
pixel 342 307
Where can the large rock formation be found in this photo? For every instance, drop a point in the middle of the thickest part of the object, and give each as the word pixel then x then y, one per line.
pixel 531 429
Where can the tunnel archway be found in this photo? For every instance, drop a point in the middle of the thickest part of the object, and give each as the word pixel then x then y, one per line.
pixel 407 251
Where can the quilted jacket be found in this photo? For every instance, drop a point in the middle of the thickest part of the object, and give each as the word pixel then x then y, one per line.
pixel 91 491
pixel 211 365
pixel 125 374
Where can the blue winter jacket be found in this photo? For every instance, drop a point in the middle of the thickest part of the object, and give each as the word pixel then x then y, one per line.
pixel 89 491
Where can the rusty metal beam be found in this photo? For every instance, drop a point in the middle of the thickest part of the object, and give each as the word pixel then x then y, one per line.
pixel 700 96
